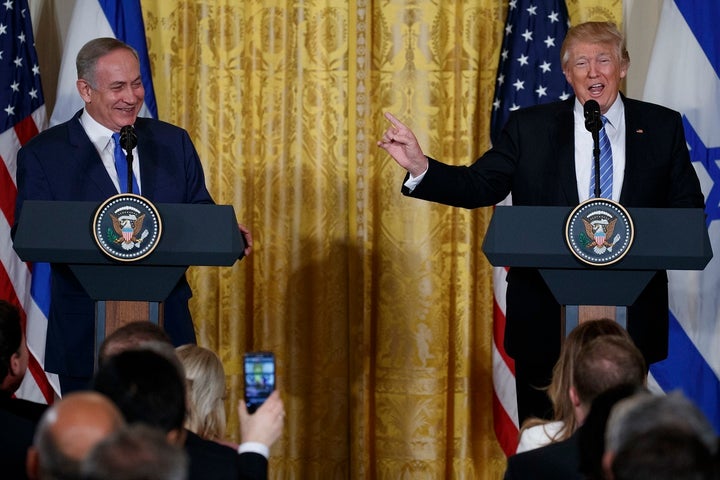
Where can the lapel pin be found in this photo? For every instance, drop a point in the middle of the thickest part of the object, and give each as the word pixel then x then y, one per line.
pixel 639 130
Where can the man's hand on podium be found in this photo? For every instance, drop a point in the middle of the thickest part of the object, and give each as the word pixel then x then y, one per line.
pixel 245 232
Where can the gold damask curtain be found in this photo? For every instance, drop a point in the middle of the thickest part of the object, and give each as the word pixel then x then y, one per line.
pixel 378 307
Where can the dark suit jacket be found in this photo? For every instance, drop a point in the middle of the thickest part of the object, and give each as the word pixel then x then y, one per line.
pixel 212 461
pixel 556 461
pixel 18 419
pixel 61 163
pixel 534 159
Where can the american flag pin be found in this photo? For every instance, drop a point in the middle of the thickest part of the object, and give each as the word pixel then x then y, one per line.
pixel 639 130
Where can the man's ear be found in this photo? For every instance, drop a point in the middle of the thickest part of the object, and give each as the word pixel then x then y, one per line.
pixel 176 436
pixel 83 88
pixel 607 460
pixel 574 398
pixel 32 463
pixel 15 366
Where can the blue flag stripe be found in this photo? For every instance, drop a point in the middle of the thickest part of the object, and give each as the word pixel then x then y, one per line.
pixel 701 385
pixel 126 21
pixel 702 17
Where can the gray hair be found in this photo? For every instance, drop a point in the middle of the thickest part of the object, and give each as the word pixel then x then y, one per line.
pixel 644 412
pixel 136 451
pixel 92 51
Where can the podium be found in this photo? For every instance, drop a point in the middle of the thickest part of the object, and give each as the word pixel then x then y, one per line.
pixel 533 236
pixel 193 234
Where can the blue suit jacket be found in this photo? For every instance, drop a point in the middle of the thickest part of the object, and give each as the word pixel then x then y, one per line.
pixel 61 163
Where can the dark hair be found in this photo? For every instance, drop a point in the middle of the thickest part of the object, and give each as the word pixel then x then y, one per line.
pixel 146 387
pixel 10 335
pixel 135 451
pixel 606 362
pixel 131 335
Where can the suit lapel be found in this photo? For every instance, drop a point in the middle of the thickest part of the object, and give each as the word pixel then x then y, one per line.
pixel 566 151
pixel 635 134
pixel 88 160
pixel 147 150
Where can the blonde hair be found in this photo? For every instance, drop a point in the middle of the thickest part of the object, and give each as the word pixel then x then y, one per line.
pixel 205 385
pixel 562 375
pixel 595 32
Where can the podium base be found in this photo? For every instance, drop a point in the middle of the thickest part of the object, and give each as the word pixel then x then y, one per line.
pixel 111 315
pixel 574 315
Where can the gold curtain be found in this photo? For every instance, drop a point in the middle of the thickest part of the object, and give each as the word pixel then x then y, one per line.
pixel 378 307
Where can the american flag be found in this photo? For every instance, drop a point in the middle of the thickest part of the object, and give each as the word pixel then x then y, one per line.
pixel 22 115
pixel 529 73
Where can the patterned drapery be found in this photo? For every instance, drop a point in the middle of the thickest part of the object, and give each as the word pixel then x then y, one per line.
pixel 378 307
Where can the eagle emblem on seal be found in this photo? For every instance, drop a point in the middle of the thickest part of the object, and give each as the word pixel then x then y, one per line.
pixel 599 231
pixel 128 227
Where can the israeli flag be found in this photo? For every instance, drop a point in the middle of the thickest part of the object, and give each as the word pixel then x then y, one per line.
pixel 684 74
pixel 121 19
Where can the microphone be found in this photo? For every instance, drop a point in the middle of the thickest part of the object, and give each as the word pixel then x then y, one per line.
pixel 128 141
pixel 592 116
pixel 593 124
pixel 128 138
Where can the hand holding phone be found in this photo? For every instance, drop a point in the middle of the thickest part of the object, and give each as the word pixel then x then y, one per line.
pixel 259 373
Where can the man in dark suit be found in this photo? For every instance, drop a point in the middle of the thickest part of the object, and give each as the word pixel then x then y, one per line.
pixel 18 417
pixel 608 369
pixel 544 157
pixel 75 161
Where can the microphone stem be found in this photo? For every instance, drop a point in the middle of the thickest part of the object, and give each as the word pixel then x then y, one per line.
pixel 596 157
pixel 129 171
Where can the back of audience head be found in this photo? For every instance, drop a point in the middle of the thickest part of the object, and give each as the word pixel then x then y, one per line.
pixel 665 453
pixel 559 388
pixel 604 363
pixel 136 452
pixel 131 335
pixel 637 416
pixel 205 384
pixel 148 387
pixel 67 432
pixel 13 350
pixel 591 437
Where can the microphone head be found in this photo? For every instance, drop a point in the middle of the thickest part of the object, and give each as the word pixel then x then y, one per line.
pixel 128 138
pixel 592 115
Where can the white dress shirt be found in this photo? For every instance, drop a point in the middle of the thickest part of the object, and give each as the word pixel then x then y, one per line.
pixel 101 137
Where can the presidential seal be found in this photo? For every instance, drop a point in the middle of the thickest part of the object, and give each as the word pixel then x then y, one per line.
pixel 127 227
pixel 599 232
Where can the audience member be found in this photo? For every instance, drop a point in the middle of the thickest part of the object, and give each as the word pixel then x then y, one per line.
pixel 591 436
pixel 605 363
pixel 205 384
pixel 537 432
pixel 149 388
pixel 136 452
pixel 14 358
pixel 644 416
pixel 18 417
pixel 67 432
pixel 665 454
pixel 131 335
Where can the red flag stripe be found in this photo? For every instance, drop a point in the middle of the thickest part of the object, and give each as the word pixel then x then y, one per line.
pixel 26 129
pixel 8 193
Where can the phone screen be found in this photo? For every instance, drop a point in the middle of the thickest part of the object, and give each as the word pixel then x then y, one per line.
pixel 259 370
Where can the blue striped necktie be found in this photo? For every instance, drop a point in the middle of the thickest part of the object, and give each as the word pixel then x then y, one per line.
pixel 606 165
pixel 121 167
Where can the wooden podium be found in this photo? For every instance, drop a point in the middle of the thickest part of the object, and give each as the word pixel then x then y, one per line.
pixel 524 236
pixel 193 234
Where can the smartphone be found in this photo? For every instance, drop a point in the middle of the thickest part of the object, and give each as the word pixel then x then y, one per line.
pixel 259 372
